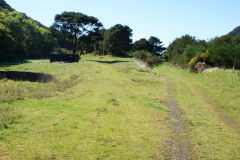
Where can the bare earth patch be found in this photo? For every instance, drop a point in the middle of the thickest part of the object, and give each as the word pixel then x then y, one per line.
pixel 179 146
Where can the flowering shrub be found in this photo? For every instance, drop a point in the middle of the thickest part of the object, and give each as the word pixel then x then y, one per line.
pixel 202 57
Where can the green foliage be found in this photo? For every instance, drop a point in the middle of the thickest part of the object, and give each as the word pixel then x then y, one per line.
pixel 76 26
pixel 117 40
pixel 156 45
pixel 153 45
pixel 177 47
pixel 225 51
pixel 189 52
pixel 141 44
pixel 147 57
pixel 4 5
pixel 22 38
pixel 200 57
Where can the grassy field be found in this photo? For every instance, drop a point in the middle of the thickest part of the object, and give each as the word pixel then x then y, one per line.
pixel 201 96
pixel 109 108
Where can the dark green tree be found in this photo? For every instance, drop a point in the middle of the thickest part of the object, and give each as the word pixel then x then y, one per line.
pixel 77 25
pixel 142 44
pixel 22 38
pixel 117 40
pixel 156 45
pixel 176 48
pixel 225 51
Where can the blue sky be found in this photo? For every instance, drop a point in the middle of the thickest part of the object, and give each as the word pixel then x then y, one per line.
pixel 165 19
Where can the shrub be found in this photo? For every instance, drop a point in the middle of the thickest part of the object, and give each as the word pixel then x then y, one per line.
pixel 190 52
pixel 147 57
pixel 202 57
pixel 176 48
pixel 69 58
pixel 225 51
pixel 63 51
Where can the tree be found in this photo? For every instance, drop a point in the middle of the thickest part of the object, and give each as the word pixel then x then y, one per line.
pixel 6 40
pixel 77 25
pixel 22 38
pixel 142 44
pixel 117 40
pixel 225 51
pixel 156 45
pixel 176 48
pixel 153 45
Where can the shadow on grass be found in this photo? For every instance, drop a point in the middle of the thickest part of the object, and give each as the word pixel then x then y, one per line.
pixel 108 62
pixel 8 64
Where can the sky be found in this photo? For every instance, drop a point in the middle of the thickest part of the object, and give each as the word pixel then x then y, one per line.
pixel 165 19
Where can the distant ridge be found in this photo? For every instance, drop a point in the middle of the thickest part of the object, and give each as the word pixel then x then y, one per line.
pixel 234 32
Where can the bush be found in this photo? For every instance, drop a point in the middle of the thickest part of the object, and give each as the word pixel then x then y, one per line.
pixel 202 57
pixel 177 47
pixel 225 52
pixel 190 52
pixel 63 51
pixel 147 57
pixel 69 58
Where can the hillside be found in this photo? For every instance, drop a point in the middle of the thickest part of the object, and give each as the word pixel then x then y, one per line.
pixel 22 37
pixel 235 32
pixel 4 5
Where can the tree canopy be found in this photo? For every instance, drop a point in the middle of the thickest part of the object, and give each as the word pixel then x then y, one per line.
pixel 153 45
pixel 22 38
pixel 118 40
pixel 76 25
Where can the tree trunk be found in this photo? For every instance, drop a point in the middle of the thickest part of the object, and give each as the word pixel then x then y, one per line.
pixel 234 63
pixel 75 44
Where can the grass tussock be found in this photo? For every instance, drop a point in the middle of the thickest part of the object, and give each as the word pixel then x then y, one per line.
pixel 8 116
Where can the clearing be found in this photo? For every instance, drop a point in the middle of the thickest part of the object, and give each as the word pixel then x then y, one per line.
pixel 110 108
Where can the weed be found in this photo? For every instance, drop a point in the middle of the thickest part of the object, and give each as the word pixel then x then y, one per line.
pixel 114 101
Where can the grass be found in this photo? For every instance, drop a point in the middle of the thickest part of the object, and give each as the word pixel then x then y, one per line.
pixel 161 107
pixel 98 114
pixel 212 138
pixel 109 108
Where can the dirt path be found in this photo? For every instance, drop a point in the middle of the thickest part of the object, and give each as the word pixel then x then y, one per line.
pixel 231 122
pixel 179 146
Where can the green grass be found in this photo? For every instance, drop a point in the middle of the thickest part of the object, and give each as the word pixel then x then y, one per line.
pixel 109 108
pixel 212 138
pixel 161 107
pixel 98 114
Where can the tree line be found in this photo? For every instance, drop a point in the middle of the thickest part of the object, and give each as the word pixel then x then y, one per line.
pixel 85 34
pixel 24 38
pixel 187 51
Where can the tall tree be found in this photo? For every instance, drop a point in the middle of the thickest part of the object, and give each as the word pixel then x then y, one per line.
pixel 156 45
pixel 117 40
pixel 142 44
pixel 176 48
pixel 77 25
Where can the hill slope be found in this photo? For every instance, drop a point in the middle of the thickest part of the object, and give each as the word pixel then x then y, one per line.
pixel 4 5
pixel 235 32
